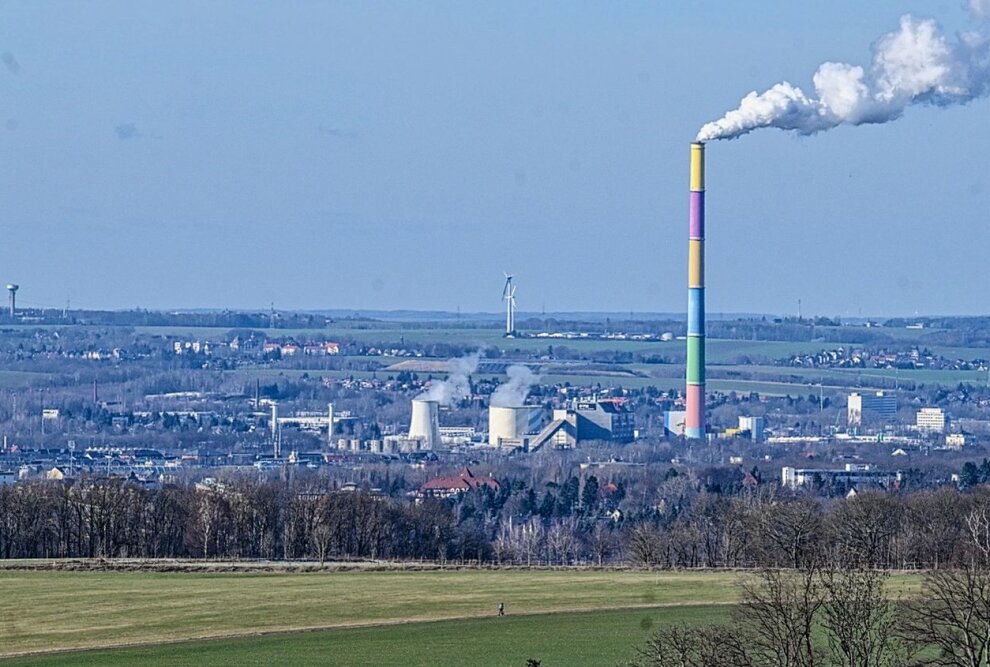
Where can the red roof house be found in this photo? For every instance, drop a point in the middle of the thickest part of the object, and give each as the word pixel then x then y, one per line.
pixel 444 487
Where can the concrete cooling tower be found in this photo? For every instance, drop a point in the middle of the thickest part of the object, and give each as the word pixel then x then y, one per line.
pixel 425 423
pixel 507 424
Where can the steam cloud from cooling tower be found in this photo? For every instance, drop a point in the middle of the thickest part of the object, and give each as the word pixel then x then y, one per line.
pixel 915 64
pixel 458 382
pixel 513 392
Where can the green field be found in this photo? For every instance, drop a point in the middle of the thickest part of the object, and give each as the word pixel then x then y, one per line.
pixel 45 610
pixel 562 617
pixel 721 354
pixel 718 351
pixel 606 637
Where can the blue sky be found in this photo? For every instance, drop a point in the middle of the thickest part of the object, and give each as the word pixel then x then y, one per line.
pixel 402 155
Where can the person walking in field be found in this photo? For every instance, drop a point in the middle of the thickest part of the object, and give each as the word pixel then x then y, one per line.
pixel 501 609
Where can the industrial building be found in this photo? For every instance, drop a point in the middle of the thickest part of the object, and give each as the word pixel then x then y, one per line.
pixel 852 474
pixel 879 407
pixel 587 420
pixel 673 423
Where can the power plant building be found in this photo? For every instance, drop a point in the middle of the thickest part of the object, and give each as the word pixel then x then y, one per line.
pixel 587 420
pixel 879 407
pixel 509 426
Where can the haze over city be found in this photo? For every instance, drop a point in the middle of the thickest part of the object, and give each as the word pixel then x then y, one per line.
pixel 368 155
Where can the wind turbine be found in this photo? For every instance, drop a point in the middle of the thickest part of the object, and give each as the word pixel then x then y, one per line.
pixel 509 296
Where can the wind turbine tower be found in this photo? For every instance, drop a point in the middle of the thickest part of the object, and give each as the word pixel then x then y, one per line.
pixel 509 296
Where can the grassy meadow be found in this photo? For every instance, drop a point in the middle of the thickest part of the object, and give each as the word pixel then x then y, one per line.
pixel 350 617
pixel 57 609
pixel 608 637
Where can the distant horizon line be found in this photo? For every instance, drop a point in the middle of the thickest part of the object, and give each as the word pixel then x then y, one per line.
pixel 410 313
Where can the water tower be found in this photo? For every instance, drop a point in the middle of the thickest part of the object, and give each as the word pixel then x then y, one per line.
pixel 12 288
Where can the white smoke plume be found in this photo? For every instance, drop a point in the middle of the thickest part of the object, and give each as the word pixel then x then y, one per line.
pixel 457 385
pixel 916 64
pixel 513 392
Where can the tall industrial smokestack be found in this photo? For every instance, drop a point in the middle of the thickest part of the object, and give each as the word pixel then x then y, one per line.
pixel 694 419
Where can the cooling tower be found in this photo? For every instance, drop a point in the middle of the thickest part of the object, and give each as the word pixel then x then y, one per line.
pixel 425 423
pixel 694 418
pixel 511 423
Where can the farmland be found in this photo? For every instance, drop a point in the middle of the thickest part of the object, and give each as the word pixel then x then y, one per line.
pixel 350 617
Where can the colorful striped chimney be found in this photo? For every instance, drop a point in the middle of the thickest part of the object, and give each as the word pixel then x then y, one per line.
pixel 694 420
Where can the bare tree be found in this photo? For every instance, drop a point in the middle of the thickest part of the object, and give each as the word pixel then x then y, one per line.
pixel 951 617
pixel 859 618
pixel 502 545
pixel 562 542
pixel 931 530
pixel 703 646
pixel 601 543
pixel 789 531
pixel 863 527
pixel 527 540
pixel 778 615
pixel 978 527
pixel 644 545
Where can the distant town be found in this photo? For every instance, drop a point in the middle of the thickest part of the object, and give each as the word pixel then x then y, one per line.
pixel 391 406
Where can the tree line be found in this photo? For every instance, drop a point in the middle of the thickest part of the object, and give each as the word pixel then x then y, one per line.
pixel 113 518
pixel 310 519
pixel 837 610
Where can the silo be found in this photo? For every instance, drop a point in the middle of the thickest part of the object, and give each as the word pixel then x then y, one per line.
pixel 425 423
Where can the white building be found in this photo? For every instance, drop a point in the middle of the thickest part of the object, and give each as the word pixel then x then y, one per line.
pixel 755 427
pixel 853 474
pixel 955 441
pixel 930 420
pixel 673 422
